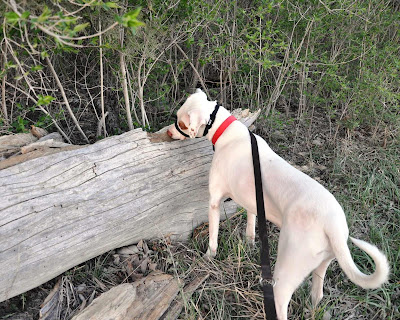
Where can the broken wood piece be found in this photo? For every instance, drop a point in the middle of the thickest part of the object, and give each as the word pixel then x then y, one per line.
pixel 22 147
pixel 21 158
pixel 54 135
pixel 42 145
pixel 147 299
pixel 177 305
pixel 17 140
pixel 49 309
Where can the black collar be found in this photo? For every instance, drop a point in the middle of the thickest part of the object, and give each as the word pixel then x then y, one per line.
pixel 208 125
pixel 212 119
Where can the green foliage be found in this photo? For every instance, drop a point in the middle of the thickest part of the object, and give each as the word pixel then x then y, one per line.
pixel 341 57
pixel 45 100
pixel 19 125
pixel 130 20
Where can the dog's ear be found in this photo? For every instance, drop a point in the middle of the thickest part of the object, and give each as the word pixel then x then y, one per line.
pixel 202 93
pixel 182 125
pixel 196 120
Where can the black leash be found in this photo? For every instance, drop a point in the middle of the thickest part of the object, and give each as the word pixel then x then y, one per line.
pixel 267 282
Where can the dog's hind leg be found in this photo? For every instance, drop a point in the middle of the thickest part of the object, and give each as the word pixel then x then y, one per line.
pixel 294 263
pixel 318 282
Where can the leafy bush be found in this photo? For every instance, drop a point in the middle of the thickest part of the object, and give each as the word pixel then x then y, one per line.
pixel 341 57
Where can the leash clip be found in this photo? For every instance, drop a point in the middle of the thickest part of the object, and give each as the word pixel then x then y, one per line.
pixel 263 282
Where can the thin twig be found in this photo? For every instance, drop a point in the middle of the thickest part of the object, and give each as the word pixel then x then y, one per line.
pixel 42 109
pixel 194 68
pixel 130 86
pixel 103 117
pixel 3 86
pixel 71 113
pixel 124 82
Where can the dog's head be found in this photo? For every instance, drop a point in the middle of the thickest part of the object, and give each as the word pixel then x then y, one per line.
pixel 193 114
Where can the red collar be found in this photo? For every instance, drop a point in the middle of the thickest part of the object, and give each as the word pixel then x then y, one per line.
pixel 222 128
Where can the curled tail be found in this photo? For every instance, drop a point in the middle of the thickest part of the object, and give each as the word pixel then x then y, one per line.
pixel 371 281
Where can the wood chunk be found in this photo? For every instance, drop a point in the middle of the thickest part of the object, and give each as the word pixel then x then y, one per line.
pixel 177 305
pixel 147 299
pixel 17 140
pixel 50 307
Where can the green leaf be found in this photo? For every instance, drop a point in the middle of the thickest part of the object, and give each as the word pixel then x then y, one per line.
pixel 36 68
pixel 44 54
pixel 44 100
pixel 25 15
pixel 80 27
pixel 11 17
pixel 10 65
pixel 45 14
pixel 130 20
pixel 110 4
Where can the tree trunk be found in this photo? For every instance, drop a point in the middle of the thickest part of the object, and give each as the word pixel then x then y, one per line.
pixel 62 209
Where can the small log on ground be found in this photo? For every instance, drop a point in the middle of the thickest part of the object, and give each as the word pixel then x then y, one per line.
pixel 63 209
pixel 147 299
pixel 21 147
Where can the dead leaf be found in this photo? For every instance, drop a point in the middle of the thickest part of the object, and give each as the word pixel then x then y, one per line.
pixel 153 266
pixel 140 245
pixel 143 265
pixel 38 132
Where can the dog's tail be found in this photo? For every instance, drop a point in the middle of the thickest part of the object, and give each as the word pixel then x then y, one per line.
pixel 346 262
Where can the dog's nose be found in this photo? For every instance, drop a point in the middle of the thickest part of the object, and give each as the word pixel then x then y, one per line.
pixel 169 133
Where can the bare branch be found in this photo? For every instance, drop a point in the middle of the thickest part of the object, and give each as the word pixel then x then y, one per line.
pixel 124 81
pixel 42 109
pixel 193 67
pixel 103 117
pixel 71 113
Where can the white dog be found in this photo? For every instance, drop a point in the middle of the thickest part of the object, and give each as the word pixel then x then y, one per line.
pixel 313 225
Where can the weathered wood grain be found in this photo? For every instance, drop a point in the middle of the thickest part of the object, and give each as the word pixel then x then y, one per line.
pixel 62 209
pixel 147 299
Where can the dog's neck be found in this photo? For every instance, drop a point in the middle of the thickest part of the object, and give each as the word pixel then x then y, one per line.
pixel 221 116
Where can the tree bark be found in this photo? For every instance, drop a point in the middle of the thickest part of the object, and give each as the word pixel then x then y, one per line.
pixel 62 209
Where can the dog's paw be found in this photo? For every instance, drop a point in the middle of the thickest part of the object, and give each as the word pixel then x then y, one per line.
pixel 210 254
pixel 251 242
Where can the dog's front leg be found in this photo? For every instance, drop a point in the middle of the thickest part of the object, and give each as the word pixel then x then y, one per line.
pixel 213 219
pixel 251 228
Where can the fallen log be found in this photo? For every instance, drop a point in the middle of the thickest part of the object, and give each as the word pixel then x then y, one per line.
pixel 62 209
